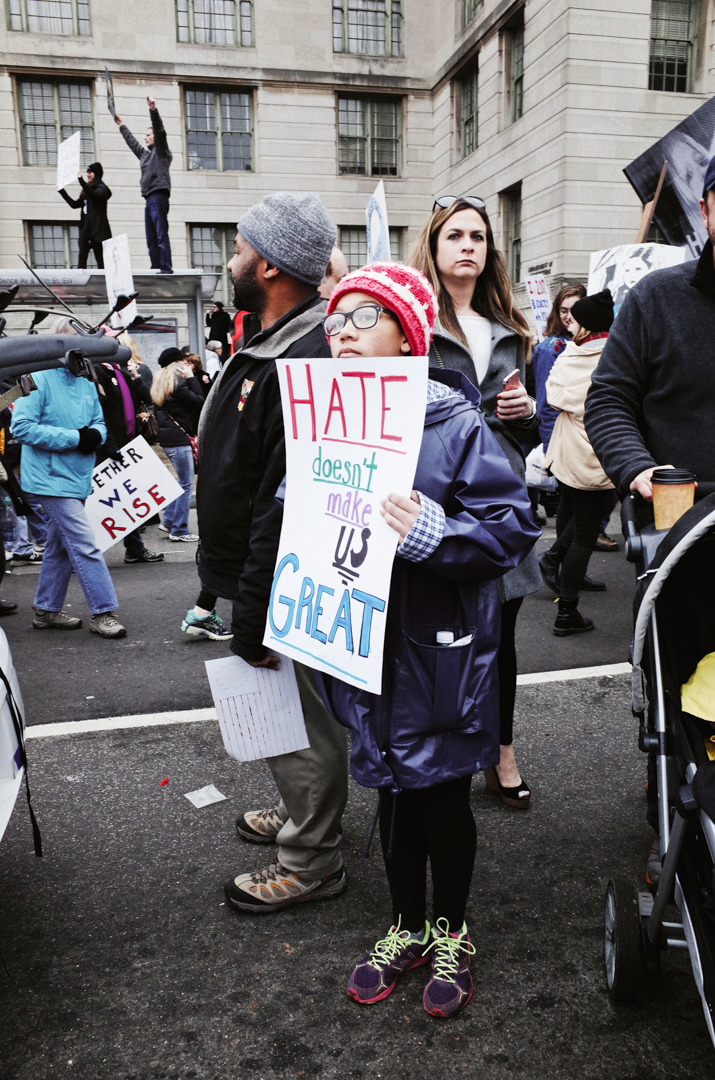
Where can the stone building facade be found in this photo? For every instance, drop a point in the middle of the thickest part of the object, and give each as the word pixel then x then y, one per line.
pixel 536 105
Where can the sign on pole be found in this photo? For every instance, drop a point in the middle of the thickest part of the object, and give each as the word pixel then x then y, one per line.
pixel 118 277
pixel 378 230
pixel 68 163
pixel 353 432
pixel 618 269
pixel 126 493
pixel 110 92
pixel 540 301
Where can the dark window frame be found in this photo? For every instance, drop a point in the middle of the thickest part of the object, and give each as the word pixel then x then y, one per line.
pixel 19 19
pixel 224 291
pixel 393 38
pixel 369 139
pixel 671 61
pixel 62 128
pixel 70 245
pixel 218 93
pixel 468 104
pixel 186 32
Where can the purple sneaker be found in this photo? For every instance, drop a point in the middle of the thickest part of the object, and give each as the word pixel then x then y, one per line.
pixel 378 971
pixel 450 985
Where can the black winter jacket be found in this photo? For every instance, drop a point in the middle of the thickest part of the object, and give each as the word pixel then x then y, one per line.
pixel 112 404
pixel 652 396
pixel 242 464
pixel 93 203
pixel 178 417
pixel 154 161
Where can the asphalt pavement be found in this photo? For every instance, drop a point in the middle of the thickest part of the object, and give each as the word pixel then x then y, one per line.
pixel 121 960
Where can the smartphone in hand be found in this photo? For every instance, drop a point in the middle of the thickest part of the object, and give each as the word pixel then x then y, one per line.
pixel 511 382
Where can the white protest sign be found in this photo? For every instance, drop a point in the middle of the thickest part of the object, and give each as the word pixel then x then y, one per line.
pixel 618 269
pixel 118 277
pixel 378 230
pixel 259 711
pixel 68 161
pixel 125 494
pixel 353 433
pixel 540 301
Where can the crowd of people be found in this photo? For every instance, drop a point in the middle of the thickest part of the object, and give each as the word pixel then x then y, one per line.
pixel 608 404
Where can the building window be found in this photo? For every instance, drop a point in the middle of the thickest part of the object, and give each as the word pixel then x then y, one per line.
pixel 516 67
pixel 50 16
pixel 511 209
pixel 370 27
pixel 469 113
pixel 369 137
pixel 219 130
pixel 211 248
pixel 55 246
pixel 671 45
pixel 352 241
pixel 470 8
pixel 214 22
pixel 50 113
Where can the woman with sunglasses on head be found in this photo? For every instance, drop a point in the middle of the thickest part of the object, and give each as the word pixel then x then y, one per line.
pixel 482 333
pixel 435 722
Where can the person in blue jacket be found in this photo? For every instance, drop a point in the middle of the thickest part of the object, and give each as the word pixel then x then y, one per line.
pixel 60 425
pixel 467 522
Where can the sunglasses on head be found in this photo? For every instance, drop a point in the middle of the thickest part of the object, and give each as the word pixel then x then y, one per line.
pixel 445 201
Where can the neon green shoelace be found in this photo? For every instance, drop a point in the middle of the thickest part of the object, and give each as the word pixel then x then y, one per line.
pixel 447 949
pixel 389 947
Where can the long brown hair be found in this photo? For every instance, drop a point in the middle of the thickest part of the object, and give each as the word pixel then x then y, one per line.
pixel 554 326
pixel 493 294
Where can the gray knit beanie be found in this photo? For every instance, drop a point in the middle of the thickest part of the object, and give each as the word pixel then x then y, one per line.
pixel 293 231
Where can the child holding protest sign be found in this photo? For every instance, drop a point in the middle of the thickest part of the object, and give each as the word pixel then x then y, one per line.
pixel 437 719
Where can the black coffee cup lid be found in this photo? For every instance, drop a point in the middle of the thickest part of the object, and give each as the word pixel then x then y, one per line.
pixel 673 476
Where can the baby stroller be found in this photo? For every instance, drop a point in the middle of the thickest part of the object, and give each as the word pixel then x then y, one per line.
pixel 674 630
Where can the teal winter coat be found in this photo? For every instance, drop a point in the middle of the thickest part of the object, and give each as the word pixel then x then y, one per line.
pixel 47 424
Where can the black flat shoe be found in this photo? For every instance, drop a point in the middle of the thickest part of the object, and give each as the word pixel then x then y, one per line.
pixel 516 797
pixel 589 585
pixel 7 608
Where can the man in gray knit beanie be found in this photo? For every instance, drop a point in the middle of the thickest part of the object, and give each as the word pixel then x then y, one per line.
pixel 293 231
pixel 283 246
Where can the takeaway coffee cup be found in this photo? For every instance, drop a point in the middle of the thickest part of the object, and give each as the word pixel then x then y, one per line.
pixel 673 494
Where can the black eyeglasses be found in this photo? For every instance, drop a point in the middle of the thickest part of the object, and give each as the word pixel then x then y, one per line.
pixel 445 201
pixel 362 318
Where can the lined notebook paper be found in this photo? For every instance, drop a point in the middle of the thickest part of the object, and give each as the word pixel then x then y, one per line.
pixel 259 711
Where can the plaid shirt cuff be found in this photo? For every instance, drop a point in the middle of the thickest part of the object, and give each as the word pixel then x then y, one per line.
pixel 426 533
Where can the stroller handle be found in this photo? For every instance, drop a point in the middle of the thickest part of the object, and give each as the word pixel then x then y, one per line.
pixel 634 544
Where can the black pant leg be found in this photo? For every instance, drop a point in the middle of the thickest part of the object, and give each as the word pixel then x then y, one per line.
pixel 451 835
pixel 407 866
pixel 133 544
pixel 98 253
pixel 84 246
pixel 206 600
pixel 587 513
pixel 506 666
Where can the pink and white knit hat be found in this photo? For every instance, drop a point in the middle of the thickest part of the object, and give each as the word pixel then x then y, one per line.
pixel 401 289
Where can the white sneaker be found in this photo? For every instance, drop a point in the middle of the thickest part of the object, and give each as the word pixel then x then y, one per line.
pixel 186 538
pixel 162 527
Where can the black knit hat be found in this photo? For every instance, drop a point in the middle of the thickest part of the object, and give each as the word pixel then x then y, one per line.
pixel 170 356
pixel 595 313
pixel 97 169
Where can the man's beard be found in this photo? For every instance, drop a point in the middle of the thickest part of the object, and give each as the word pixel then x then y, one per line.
pixel 247 292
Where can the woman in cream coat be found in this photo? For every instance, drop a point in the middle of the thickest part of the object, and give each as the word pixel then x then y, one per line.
pixel 583 484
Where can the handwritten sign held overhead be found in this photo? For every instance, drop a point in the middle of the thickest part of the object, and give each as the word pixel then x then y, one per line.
pixel 126 493
pixel 68 154
pixel 353 433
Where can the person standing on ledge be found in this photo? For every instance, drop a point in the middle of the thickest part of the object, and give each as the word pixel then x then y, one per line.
pixel 155 161
pixel 93 222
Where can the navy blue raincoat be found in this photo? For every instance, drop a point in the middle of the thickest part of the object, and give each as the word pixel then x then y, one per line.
pixel 438 715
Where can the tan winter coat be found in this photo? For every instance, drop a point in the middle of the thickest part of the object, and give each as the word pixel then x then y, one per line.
pixel 569 454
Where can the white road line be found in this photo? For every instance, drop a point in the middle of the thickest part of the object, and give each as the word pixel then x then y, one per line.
pixel 192 716
pixel 568 674
pixel 115 723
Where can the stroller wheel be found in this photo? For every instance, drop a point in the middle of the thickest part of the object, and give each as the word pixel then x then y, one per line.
pixel 622 940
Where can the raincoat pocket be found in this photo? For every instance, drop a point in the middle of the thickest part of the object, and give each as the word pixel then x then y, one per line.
pixel 437 685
